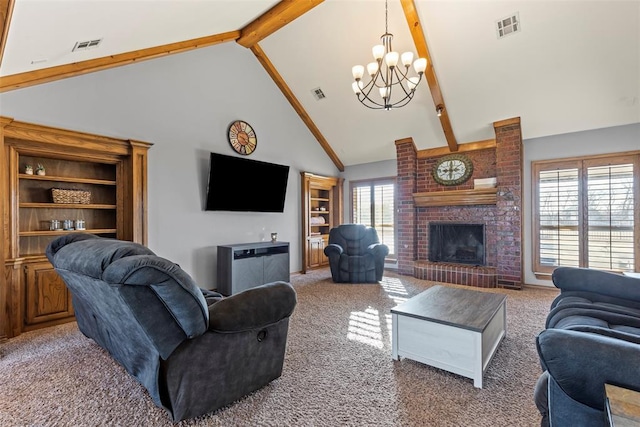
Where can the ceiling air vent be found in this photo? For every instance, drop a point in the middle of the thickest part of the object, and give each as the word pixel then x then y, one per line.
pixel 89 44
pixel 508 25
pixel 318 94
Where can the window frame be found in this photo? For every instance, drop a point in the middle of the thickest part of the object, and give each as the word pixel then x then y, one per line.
pixel 582 164
pixel 372 183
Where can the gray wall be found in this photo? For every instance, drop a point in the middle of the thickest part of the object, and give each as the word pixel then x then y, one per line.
pixel 599 141
pixel 183 104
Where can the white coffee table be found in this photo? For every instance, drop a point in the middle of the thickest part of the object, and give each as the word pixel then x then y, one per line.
pixel 454 329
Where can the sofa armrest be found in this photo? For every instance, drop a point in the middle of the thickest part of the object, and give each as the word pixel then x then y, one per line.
pixel 598 282
pixel 379 250
pixel 333 250
pixel 582 362
pixel 253 308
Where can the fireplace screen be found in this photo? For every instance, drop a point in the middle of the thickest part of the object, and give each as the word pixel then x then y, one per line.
pixel 457 243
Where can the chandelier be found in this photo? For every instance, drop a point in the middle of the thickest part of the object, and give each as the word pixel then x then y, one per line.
pixel 387 76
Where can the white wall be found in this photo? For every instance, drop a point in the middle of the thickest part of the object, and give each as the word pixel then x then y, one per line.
pixel 183 104
pixel 599 141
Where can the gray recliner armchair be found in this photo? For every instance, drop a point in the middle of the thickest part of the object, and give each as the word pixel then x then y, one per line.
pixel 355 254
pixel 194 350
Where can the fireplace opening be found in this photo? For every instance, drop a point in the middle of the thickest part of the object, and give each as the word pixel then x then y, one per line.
pixel 457 243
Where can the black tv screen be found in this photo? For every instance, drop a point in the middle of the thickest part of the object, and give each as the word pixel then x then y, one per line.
pixel 239 184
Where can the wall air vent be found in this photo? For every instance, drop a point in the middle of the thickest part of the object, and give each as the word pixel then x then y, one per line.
pixel 86 45
pixel 318 94
pixel 508 25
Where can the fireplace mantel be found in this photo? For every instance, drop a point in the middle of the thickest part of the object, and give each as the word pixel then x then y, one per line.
pixel 479 196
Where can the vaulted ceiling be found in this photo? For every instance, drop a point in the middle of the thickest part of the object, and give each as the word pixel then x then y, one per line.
pixel 573 66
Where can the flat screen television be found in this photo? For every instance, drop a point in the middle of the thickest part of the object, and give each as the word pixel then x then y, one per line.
pixel 244 185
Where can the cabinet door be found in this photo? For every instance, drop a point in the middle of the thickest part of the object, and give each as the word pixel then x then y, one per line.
pixel 247 273
pixel 316 252
pixel 276 267
pixel 46 296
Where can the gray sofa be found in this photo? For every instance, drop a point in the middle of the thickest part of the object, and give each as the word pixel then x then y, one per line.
pixel 194 350
pixel 355 254
pixel 591 337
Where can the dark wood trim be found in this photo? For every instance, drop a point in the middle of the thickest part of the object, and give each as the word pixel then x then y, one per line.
pixel 419 39
pixel 6 10
pixel 272 20
pixel 45 75
pixel 297 106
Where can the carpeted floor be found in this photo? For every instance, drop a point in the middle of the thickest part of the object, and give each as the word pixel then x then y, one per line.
pixel 338 371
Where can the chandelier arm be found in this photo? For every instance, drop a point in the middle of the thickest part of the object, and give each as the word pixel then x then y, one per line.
pixel 376 105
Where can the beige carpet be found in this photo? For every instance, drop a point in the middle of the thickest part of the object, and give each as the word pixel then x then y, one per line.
pixel 338 371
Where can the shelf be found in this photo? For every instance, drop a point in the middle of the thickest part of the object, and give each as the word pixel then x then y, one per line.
pixel 66 206
pixel 67 179
pixel 319 212
pixel 319 225
pixel 61 232
pixel 319 199
pixel 481 196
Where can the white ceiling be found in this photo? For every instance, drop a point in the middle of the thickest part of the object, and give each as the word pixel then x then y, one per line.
pixel 574 66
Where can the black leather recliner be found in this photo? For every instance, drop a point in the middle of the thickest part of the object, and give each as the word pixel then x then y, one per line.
pixel 355 254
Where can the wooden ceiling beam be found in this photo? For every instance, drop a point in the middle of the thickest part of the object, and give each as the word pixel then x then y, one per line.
pixel 6 10
pixel 275 18
pixel 413 20
pixel 297 106
pixel 45 75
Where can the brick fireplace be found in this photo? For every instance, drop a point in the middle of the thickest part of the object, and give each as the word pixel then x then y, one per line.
pixel 422 201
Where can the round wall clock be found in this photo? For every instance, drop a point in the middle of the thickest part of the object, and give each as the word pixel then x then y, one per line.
pixel 453 169
pixel 242 137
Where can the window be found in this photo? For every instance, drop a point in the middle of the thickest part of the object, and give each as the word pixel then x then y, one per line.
pixel 373 204
pixel 585 213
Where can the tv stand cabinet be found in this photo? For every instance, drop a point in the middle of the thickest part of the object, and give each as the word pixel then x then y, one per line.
pixel 246 265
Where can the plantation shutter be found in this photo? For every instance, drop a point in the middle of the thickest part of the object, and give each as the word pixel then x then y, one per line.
pixel 586 213
pixel 383 214
pixel 610 219
pixel 373 204
pixel 362 205
pixel 559 240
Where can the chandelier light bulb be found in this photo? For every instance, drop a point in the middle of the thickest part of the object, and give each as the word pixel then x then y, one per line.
pixel 391 59
pixel 384 92
pixel 357 71
pixel 407 58
pixel 372 68
pixel 378 52
pixel 357 87
pixel 412 82
pixel 420 65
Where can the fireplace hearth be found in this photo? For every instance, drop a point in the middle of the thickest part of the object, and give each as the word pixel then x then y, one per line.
pixel 457 243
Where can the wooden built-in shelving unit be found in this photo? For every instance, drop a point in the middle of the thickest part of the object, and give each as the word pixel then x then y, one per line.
pixel 321 211
pixel 113 171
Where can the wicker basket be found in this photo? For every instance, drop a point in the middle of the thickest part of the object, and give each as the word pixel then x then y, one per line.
pixel 62 195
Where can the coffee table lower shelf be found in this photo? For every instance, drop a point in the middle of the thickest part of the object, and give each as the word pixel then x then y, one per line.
pixel 453 329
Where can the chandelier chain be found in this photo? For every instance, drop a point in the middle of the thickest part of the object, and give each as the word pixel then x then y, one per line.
pixel 386 16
